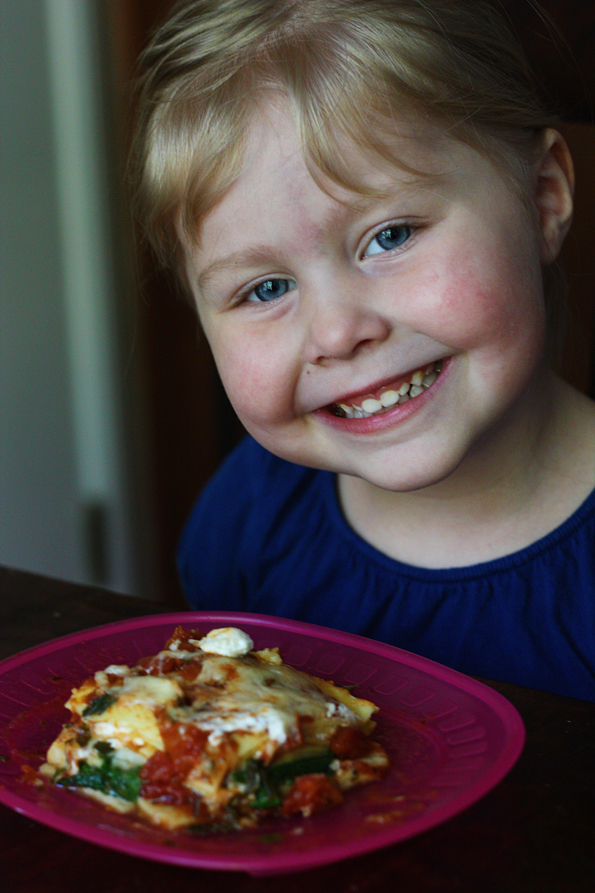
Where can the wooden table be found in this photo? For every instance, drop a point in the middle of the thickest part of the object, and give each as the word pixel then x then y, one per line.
pixel 534 832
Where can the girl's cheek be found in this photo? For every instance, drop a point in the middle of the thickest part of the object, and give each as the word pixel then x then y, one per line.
pixel 253 382
pixel 495 305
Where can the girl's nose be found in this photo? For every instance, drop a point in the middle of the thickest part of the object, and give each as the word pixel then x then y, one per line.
pixel 340 325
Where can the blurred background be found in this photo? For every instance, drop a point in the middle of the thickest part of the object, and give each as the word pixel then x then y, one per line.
pixel 112 416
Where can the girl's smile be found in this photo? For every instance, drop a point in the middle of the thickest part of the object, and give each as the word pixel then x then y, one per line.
pixel 383 337
pixel 379 400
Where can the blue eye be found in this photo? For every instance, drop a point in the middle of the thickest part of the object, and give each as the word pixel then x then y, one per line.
pixel 389 238
pixel 271 289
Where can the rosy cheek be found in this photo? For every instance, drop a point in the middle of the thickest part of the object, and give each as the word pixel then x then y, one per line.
pixel 494 304
pixel 252 380
pixel 241 378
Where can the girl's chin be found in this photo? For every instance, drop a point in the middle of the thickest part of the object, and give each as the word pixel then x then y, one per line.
pixel 403 483
pixel 409 467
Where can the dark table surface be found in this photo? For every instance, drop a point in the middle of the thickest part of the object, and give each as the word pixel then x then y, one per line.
pixel 534 832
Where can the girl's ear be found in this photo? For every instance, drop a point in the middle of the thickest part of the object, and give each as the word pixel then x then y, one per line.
pixel 554 189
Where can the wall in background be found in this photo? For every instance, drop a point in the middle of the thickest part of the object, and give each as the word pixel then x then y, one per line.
pixel 64 491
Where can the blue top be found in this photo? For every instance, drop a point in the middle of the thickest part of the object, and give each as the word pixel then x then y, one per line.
pixel 267 536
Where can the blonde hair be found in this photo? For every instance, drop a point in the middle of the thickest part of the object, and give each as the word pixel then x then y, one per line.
pixel 348 67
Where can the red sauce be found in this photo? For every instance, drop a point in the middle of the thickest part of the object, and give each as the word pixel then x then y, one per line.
pixel 29 776
pixel 348 743
pixel 184 743
pixel 163 775
pixel 311 793
pixel 112 678
pixel 160 782
pixel 365 770
pixel 190 670
pixel 182 638
pixel 159 664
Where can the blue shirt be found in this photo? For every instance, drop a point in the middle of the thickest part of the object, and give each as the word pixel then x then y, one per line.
pixel 267 536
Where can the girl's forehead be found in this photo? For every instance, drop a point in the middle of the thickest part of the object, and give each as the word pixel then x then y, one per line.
pixel 407 143
pixel 415 156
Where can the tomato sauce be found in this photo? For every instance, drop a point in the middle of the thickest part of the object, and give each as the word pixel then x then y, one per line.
pixel 348 743
pixel 311 793
pixel 163 775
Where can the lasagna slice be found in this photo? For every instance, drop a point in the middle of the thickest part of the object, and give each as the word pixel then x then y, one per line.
pixel 210 732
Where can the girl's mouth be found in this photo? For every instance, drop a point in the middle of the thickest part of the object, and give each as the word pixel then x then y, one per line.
pixel 391 395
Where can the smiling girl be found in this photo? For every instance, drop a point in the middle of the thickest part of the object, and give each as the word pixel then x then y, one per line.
pixel 365 201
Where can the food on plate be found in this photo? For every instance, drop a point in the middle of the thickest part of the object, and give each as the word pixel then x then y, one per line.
pixel 212 734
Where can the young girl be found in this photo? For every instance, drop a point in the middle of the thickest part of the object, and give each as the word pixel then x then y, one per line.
pixel 365 201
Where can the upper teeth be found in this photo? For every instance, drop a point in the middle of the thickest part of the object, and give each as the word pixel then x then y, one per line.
pixel 419 381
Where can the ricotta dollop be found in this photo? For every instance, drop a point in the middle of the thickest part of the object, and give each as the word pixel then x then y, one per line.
pixel 227 641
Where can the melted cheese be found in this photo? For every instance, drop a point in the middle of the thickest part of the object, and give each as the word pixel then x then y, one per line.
pixel 131 721
pixel 261 697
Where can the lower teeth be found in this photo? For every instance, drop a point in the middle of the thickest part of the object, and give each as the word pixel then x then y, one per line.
pixel 406 392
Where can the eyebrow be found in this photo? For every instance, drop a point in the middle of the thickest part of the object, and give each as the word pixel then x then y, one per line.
pixel 257 254
pixel 263 254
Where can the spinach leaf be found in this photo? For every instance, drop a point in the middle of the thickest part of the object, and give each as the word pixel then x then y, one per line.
pixel 268 784
pixel 290 769
pixel 105 777
pixel 100 704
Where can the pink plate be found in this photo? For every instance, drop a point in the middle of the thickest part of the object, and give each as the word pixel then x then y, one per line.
pixel 450 739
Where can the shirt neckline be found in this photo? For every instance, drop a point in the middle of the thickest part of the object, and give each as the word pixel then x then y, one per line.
pixel 584 513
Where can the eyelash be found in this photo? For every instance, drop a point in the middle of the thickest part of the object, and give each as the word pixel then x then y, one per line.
pixel 245 296
pixel 406 228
